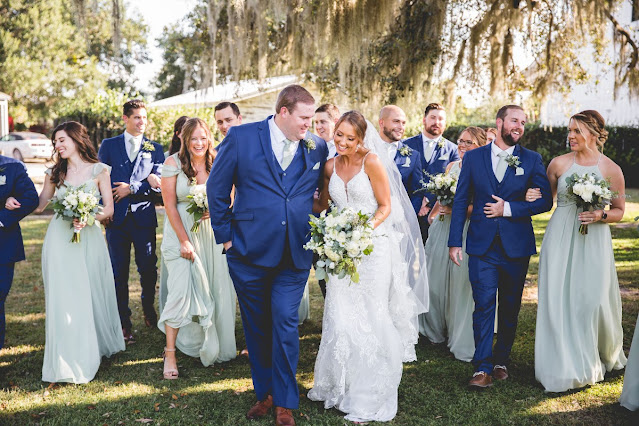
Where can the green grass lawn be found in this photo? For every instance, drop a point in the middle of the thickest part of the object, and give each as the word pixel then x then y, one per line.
pixel 129 389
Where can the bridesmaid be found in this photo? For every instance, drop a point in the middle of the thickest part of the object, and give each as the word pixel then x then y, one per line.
pixel 198 315
pixel 82 321
pixel 579 335
pixel 630 395
pixel 451 302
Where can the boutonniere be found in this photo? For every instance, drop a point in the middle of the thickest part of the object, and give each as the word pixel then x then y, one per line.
pixel 405 151
pixel 441 143
pixel 148 146
pixel 513 161
pixel 309 144
pixel 3 179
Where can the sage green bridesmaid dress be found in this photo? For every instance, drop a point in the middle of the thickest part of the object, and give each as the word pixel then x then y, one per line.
pixel 82 320
pixel 579 335
pixel 630 395
pixel 196 297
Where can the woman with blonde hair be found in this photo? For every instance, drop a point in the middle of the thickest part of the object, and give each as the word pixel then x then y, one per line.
pixel 197 300
pixel 579 335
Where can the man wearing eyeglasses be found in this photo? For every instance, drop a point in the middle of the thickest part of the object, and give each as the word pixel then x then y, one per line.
pixel 436 152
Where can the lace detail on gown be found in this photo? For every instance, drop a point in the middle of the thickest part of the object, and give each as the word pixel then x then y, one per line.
pixel 369 328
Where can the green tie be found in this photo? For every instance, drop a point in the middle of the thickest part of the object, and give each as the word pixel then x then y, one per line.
pixel 133 149
pixel 288 154
pixel 502 166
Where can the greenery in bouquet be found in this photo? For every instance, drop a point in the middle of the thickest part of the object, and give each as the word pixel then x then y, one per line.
pixel 77 203
pixel 443 185
pixel 198 205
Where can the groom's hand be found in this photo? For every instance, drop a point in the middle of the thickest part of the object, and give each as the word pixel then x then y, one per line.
pixel 455 254
pixel 227 245
pixel 496 209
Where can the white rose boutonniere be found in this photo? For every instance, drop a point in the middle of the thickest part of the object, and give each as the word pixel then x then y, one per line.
pixel 148 146
pixel 309 144
pixel 405 151
pixel 513 161
pixel 441 143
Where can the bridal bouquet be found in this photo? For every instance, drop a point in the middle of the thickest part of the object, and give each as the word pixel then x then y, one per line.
pixel 198 205
pixel 77 203
pixel 341 239
pixel 443 185
pixel 589 192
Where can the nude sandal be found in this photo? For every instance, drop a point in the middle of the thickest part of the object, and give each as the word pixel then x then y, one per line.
pixel 169 373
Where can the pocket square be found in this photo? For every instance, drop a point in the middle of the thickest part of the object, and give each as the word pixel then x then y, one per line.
pixel 146 155
pixel 407 163
pixel 316 166
pixel 519 171
pixel 444 157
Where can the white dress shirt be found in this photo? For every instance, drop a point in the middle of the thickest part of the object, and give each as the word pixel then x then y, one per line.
pixel 429 146
pixel 127 142
pixel 278 141
pixel 392 149
pixel 332 150
pixel 494 158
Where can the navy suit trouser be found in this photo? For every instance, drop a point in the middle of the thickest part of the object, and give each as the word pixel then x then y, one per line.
pixel 6 277
pixel 120 238
pixel 493 271
pixel 269 300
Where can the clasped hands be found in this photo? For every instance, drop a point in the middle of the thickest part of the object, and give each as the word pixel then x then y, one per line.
pixel 123 189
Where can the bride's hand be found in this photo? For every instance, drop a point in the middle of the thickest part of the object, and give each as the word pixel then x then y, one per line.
pixel 205 216
pixel 187 251
pixel 12 204
pixel 444 210
pixel 77 225
pixel 533 194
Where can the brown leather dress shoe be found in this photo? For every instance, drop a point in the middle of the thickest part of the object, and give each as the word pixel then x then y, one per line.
pixel 284 417
pixel 500 372
pixel 260 409
pixel 480 380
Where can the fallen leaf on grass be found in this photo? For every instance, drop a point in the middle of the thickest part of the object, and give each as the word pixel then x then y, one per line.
pixel 136 411
pixel 46 393
pixel 184 406
pixel 90 407
pixel 174 396
pixel 144 420
pixel 438 417
pixel 35 288
pixel 171 406
pixel 106 415
pixel 119 382
pixel 156 406
pixel 183 394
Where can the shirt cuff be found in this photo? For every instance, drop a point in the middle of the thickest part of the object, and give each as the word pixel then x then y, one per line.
pixel 507 212
pixel 134 186
pixel 1 225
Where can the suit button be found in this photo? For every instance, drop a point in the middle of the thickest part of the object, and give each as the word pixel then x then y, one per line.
pixel 284 173
pixel 288 199
pixel 283 223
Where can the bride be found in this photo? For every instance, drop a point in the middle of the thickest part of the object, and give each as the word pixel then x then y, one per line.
pixel 369 328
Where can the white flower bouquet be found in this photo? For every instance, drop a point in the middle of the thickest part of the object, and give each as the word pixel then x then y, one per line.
pixel 444 186
pixel 590 193
pixel 77 203
pixel 198 205
pixel 341 239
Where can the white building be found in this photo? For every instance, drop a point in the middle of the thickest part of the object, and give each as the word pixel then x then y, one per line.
pixel 4 113
pixel 598 93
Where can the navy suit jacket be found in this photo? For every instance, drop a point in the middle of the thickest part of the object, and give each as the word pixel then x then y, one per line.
pixel 438 161
pixel 477 182
pixel 264 214
pixel 14 182
pixel 113 152
pixel 410 167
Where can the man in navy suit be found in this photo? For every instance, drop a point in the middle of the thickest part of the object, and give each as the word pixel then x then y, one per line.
pixel 392 123
pixel 14 182
pixel 436 152
pixel 136 166
pixel 275 166
pixel 500 240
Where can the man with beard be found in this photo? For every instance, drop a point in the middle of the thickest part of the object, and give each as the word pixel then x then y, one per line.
pixel 436 152
pixel 500 240
pixel 392 123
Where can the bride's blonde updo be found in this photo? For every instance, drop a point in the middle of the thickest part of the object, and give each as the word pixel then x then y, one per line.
pixel 594 122
pixel 357 120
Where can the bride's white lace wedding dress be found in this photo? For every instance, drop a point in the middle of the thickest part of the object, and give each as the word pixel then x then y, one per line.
pixel 369 328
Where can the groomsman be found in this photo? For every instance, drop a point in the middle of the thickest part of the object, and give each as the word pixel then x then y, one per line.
pixel 136 166
pixel 500 238
pixel 436 152
pixel 14 182
pixel 227 115
pixel 326 116
pixel 392 123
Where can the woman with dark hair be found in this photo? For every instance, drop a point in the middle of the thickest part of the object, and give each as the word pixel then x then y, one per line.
pixel 579 335
pixel 82 321
pixel 197 299
pixel 176 142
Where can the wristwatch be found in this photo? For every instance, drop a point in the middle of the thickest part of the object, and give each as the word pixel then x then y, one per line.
pixel 604 216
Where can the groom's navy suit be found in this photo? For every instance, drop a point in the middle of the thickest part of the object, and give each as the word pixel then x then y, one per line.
pixel 14 182
pixel 268 227
pixel 410 167
pixel 499 249
pixel 134 221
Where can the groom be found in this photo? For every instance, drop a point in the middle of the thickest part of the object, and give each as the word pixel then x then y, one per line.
pixel 500 238
pixel 275 166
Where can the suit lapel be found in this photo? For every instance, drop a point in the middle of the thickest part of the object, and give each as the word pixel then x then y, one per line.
pixel 489 168
pixel 510 170
pixel 264 134
pixel 308 162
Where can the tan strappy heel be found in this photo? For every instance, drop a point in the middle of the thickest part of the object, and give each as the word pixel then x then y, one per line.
pixel 169 373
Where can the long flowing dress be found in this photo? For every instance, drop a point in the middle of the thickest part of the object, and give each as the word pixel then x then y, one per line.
pixel 368 328
pixel 630 394
pixel 82 321
pixel 196 297
pixel 579 335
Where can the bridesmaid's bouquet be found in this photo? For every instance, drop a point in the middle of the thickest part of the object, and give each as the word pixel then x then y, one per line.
pixel 341 239
pixel 444 186
pixel 77 203
pixel 198 205
pixel 589 192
